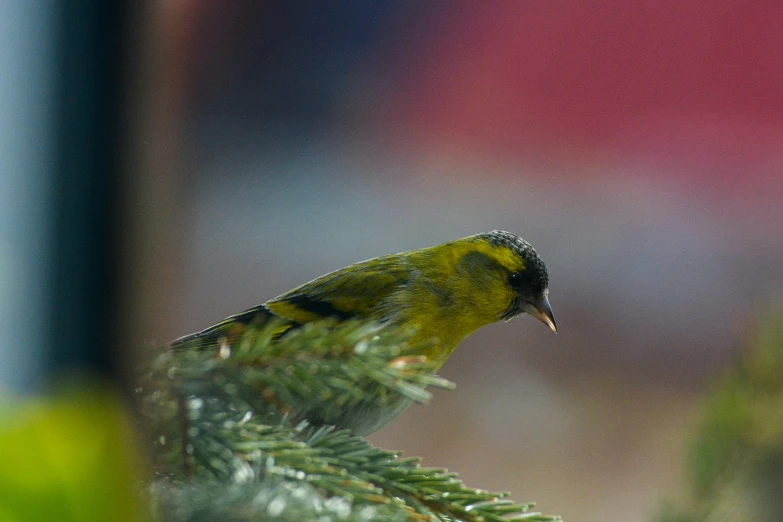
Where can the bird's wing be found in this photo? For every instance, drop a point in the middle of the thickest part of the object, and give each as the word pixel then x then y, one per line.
pixel 357 291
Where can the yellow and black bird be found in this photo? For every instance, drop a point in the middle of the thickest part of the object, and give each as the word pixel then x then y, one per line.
pixel 444 292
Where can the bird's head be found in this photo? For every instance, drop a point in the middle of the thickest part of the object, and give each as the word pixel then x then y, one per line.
pixel 505 277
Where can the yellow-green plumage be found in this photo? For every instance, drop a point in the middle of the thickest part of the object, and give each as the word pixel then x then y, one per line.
pixel 444 293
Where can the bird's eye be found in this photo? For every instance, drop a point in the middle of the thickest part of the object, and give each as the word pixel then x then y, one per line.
pixel 515 280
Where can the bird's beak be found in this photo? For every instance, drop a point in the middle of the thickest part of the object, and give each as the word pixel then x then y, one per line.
pixel 543 312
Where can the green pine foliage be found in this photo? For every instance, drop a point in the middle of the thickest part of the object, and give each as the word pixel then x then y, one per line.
pixel 229 440
pixel 736 462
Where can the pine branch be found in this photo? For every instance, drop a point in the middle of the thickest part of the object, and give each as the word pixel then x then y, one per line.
pixel 432 492
pixel 233 417
pixel 320 367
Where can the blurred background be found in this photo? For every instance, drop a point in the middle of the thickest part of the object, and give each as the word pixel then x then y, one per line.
pixel 637 145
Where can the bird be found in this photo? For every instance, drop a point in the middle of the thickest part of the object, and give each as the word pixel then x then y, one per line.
pixel 442 293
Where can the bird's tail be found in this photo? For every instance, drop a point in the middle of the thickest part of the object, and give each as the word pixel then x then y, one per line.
pixel 227 330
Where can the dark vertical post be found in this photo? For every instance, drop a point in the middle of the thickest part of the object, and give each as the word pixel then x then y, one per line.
pixel 87 170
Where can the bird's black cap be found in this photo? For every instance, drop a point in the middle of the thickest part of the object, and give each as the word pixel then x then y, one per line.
pixel 534 278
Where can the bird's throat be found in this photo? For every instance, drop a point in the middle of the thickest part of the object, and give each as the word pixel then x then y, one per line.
pixel 439 343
